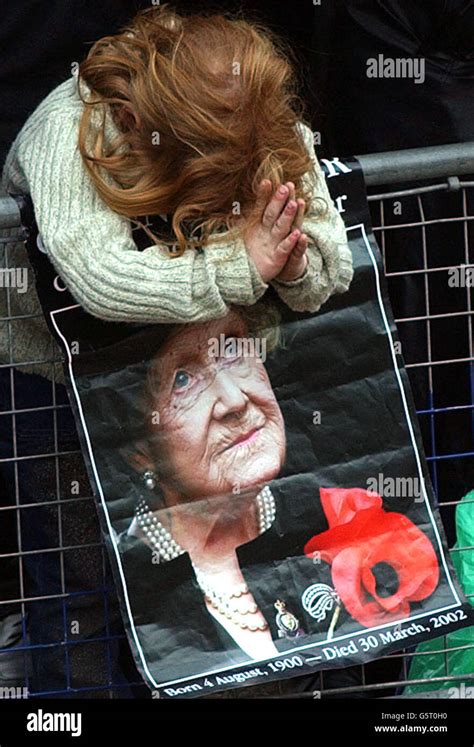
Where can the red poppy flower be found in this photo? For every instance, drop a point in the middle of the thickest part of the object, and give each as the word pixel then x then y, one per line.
pixel 380 561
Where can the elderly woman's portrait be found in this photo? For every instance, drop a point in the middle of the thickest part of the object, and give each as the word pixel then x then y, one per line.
pixel 216 438
pixel 237 487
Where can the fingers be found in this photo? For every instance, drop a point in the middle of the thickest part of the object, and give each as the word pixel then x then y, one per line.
pixel 297 259
pixel 283 226
pixel 297 255
pixel 284 222
pixel 275 206
pixel 298 222
pixel 301 246
pixel 263 195
pixel 283 212
pixel 282 207
pixel 288 244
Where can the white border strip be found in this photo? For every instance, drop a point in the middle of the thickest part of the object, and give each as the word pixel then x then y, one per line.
pixel 102 497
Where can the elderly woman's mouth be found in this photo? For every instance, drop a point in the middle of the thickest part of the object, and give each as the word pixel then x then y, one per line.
pixel 245 438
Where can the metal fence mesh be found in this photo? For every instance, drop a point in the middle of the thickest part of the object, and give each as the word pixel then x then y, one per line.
pixel 434 319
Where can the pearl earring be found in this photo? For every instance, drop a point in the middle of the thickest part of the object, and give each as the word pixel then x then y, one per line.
pixel 149 479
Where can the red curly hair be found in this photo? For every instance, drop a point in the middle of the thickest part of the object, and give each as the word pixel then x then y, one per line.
pixel 215 106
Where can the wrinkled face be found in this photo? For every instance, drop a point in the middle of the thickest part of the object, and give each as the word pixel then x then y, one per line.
pixel 220 426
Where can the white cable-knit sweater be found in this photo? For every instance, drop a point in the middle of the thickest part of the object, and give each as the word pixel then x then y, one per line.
pixel 93 250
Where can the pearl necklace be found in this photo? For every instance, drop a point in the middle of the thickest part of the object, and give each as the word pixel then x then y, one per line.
pixel 236 613
pixel 167 549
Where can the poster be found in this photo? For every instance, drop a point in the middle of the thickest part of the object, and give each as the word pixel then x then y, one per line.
pixel 264 497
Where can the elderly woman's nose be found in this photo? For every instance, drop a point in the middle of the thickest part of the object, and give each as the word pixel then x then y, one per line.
pixel 229 396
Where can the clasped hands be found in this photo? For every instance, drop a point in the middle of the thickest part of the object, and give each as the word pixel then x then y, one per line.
pixel 277 245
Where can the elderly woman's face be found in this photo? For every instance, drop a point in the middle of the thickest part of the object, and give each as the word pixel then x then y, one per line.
pixel 220 426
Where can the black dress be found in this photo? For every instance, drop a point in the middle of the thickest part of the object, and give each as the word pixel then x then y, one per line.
pixel 182 639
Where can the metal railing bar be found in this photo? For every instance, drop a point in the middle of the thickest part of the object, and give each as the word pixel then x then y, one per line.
pixel 421 223
pixel 417 164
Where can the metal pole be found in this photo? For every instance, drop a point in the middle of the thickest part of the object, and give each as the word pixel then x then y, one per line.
pixel 417 164
pixel 391 167
pixel 9 213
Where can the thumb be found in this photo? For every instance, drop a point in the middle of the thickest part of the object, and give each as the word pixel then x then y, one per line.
pixel 300 247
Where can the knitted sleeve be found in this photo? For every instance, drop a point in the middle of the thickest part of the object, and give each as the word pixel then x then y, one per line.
pixel 329 269
pixel 92 248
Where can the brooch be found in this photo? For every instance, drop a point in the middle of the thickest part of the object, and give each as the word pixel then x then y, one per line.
pixel 288 625
pixel 318 600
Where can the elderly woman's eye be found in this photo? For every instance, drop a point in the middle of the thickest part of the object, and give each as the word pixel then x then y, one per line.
pixel 181 380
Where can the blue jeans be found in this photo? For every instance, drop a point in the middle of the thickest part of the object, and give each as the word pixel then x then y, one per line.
pixel 73 620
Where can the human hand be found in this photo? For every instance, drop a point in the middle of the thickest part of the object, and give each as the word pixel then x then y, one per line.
pixel 273 240
pixel 297 261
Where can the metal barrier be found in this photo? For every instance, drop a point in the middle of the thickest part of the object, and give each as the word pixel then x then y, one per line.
pixel 435 329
